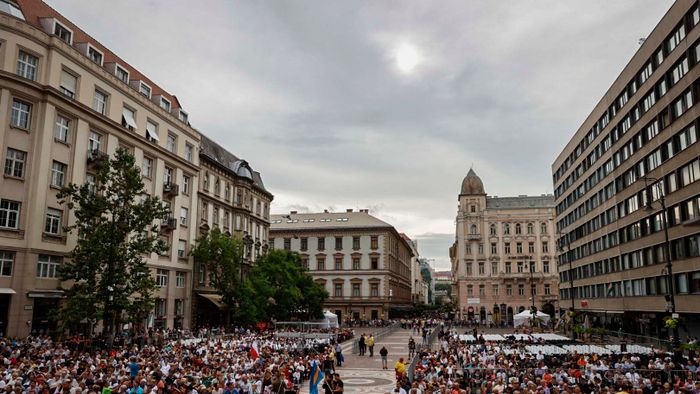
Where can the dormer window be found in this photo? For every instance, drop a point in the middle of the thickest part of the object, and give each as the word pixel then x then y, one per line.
pixel 145 89
pixel 165 104
pixel 95 55
pixel 62 32
pixel 182 115
pixel 121 73
pixel 11 8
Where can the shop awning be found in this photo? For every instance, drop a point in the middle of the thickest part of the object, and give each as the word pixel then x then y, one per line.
pixel 45 294
pixel 7 290
pixel 215 299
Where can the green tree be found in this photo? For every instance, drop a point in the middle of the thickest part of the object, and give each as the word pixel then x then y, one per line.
pixel 223 256
pixel 278 288
pixel 115 220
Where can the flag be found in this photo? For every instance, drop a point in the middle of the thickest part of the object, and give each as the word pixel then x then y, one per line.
pixel 610 290
pixel 254 353
pixel 316 377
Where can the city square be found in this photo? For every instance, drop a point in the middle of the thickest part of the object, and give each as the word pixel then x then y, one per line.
pixel 349 196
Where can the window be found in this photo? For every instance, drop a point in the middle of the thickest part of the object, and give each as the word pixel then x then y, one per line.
pixel 507 247
pixel 21 114
pixel 518 229
pixel 374 290
pixel 521 290
pixel 182 115
pixel 121 73
pixel 506 229
pixel 321 243
pixel 47 266
pixel 182 249
pixel 152 132
pixel 27 65
pixel 374 242
pixel 321 263
pixel 14 163
pixel 374 262
pixel 145 89
pixel 679 71
pixel 482 290
pixel 494 290
pixel 690 173
pixel 53 221
pixel 533 289
pixel 61 128
pixel 99 102
pixel 7 259
pixel 180 279
pixel 62 32
pixel 519 247
pixel 171 143
pixel 94 142
pixel 184 213
pixel 356 243
pixel 509 290
pixel 128 119
pixel 470 290
pixel 356 263
pixel 482 269
pixel 304 244
pixel 338 290
pixel 338 243
pixel 494 248
pixel 338 263
pixel 147 167
pixel 95 55
pixel 521 268
pixel 189 149
pixel 494 268
pixel 287 244
pixel 492 229
pixel 530 228
pixel 682 104
pixel 9 214
pixel 58 174
pixel 165 104
pixel 508 267
pixel 186 184
pixel 356 290
pixel 168 175
pixel 69 84
pixel 547 290
pixel 161 278
pixel 470 271
pixel 468 249
pixel 531 247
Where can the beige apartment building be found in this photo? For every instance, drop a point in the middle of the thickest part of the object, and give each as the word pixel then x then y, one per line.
pixel 638 144
pixel 504 255
pixel 233 198
pixel 67 103
pixel 363 262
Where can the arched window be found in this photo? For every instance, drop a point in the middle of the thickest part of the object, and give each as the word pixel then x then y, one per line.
pixel 474 229
pixel 530 228
pixel 506 228
pixel 518 229
pixel 492 229
pixel 543 228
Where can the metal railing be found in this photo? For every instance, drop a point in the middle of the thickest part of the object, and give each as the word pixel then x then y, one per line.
pixel 386 331
pixel 608 335
pixel 430 339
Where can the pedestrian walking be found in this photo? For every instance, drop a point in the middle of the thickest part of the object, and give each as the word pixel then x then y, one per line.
pixel 411 347
pixel 362 345
pixel 370 344
pixel 384 353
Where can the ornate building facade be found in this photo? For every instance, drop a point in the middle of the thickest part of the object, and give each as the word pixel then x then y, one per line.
pixel 504 255
pixel 363 262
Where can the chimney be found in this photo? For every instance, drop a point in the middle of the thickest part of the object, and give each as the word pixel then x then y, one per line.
pixel 348 210
pixel 325 211
pixel 292 212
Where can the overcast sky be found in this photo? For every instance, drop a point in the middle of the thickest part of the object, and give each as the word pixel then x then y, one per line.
pixel 311 94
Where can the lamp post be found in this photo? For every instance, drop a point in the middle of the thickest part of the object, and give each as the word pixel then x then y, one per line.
pixel 670 285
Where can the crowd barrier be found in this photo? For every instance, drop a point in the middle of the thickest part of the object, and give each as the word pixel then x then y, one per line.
pixel 431 338
pixel 386 331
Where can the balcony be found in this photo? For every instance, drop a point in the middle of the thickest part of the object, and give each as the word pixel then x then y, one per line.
pixel 169 223
pixel 95 156
pixel 472 237
pixel 171 189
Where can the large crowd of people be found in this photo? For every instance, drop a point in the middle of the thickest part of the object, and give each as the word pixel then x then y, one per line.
pixel 239 362
pixel 458 366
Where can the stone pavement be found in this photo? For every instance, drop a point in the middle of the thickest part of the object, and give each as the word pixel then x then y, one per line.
pixel 364 374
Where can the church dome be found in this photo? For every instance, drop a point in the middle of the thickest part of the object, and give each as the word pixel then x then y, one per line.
pixel 472 185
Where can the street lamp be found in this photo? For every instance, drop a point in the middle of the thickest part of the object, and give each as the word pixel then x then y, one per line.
pixel 670 285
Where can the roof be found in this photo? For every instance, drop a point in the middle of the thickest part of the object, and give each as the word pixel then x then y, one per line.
pixel 326 220
pixel 34 10
pixel 543 201
pixel 472 184
pixel 230 162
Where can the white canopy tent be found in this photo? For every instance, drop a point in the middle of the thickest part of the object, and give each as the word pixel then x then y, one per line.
pixel 330 320
pixel 524 317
